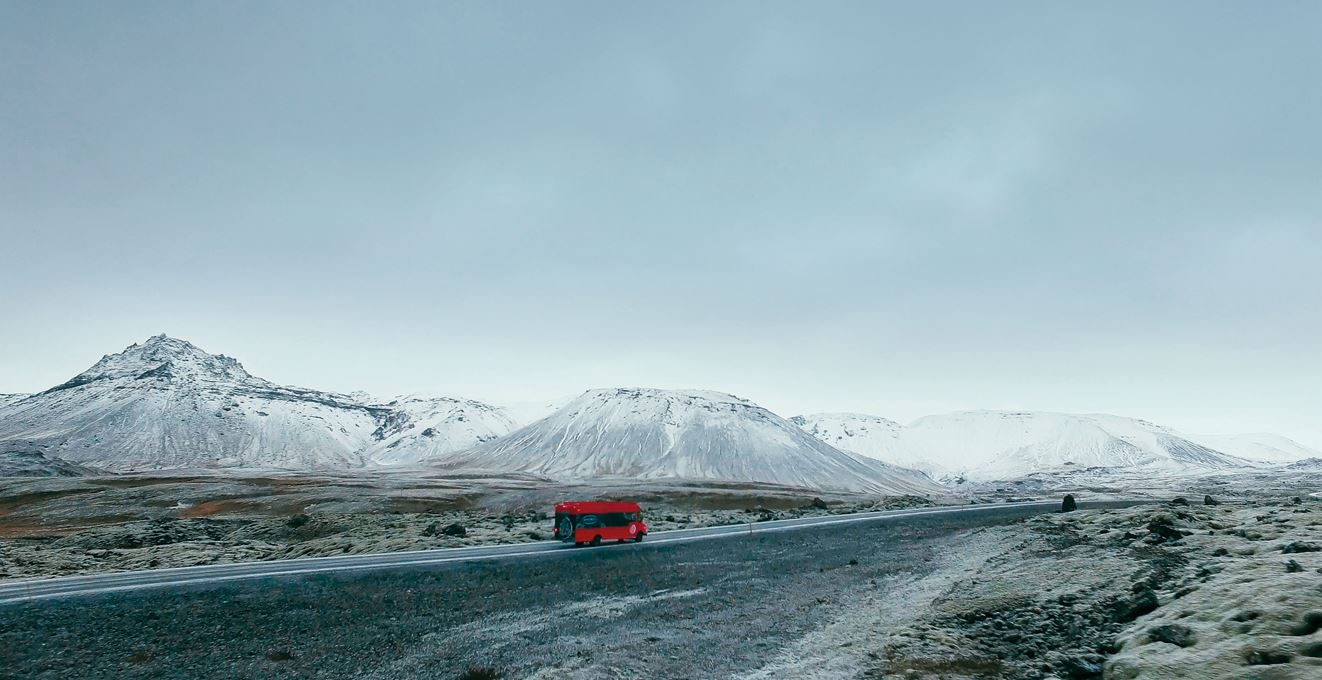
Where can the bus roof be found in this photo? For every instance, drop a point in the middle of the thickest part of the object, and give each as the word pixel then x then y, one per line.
pixel 593 507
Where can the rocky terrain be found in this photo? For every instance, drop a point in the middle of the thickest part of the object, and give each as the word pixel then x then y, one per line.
pixel 1176 590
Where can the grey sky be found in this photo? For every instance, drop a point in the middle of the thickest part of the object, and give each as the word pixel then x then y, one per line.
pixel 1110 207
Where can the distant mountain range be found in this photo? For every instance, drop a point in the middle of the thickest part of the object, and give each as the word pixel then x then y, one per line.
pixel 993 445
pixel 166 404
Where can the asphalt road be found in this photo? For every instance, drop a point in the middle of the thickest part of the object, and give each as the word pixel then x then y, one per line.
pixel 675 606
pixel 69 586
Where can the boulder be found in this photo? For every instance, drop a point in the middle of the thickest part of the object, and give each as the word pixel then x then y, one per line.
pixel 1161 531
pixel 1208 500
pixel 1068 505
pixel 1172 633
pixel 1127 609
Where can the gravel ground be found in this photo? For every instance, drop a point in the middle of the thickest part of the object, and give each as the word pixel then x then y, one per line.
pixel 708 609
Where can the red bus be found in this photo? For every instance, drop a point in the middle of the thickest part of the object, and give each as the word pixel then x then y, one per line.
pixel 595 521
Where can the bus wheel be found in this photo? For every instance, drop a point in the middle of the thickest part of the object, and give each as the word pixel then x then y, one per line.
pixel 596 541
pixel 638 538
pixel 578 544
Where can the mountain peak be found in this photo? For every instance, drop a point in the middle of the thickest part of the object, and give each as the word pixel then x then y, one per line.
pixel 162 357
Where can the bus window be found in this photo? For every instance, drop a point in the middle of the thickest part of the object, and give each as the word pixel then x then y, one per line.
pixel 615 519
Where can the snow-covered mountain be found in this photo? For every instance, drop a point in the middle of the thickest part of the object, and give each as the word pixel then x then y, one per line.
pixel 651 433
pixel 990 445
pixel 1263 446
pixel 167 404
pixel 421 428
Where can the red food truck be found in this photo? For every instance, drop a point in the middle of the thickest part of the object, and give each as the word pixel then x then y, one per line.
pixel 595 521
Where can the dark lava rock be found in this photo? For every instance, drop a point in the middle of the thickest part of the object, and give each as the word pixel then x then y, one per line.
pixel 1080 669
pixel 1311 623
pixel 1208 500
pixel 817 504
pixel 1293 567
pixel 1172 633
pixel 1179 500
pixel 1161 529
pixel 455 530
pixel 1068 505
pixel 1143 602
pixel 1301 547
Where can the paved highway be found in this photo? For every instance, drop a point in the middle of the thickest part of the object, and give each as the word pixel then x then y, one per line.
pixel 69 586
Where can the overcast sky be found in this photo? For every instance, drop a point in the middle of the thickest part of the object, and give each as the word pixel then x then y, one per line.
pixel 1100 207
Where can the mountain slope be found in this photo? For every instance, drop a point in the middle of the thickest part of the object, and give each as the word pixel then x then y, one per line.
pixel 422 428
pixel 1272 448
pixel 650 433
pixel 989 445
